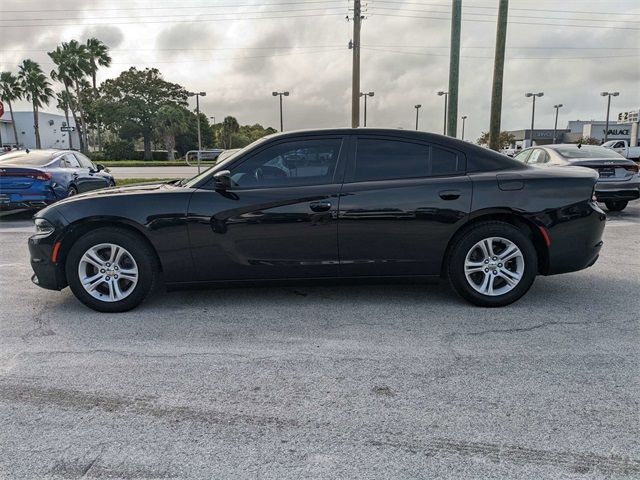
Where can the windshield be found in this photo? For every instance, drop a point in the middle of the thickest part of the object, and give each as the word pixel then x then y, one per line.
pixel 586 151
pixel 220 165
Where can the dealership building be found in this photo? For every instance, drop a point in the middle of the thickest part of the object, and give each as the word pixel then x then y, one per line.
pixel 575 130
pixel 50 134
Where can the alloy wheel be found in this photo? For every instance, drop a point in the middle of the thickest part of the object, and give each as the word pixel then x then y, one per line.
pixel 494 266
pixel 108 272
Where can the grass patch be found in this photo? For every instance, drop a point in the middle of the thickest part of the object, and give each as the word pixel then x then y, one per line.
pixel 150 163
pixel 122 182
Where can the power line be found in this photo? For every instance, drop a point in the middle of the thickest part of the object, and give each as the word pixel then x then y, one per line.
pixel 487 57
pixel 196 20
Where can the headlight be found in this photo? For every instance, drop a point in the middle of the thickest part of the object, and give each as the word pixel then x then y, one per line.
pixel 43 227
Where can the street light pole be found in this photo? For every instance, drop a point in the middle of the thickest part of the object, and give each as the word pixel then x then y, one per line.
pixel 417 107
pixel 608 95
pixel 280 94
pixel 464 118
pixel 533 110
pixel 446 97
pixel 555 125
pixel 198 95
pixel 365 95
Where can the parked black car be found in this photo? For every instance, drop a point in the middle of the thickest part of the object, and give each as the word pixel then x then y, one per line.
pixel 323 204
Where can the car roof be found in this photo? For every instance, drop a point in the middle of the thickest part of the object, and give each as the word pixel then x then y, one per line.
pixel 32 157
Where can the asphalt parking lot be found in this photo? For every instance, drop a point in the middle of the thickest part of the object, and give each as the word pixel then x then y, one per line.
pixel 366 381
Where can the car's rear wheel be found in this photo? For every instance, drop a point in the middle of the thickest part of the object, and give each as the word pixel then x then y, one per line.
pixel 111 269
pixel 492 264
pixel 616 205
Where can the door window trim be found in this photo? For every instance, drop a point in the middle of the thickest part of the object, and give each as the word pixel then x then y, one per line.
pixel 338 174
pixel 353 152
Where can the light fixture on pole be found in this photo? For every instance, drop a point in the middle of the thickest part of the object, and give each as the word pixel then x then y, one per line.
pixel 214 120
pixel 533 110
pixel 464 119
pixel 365 95
pixel 280 94
pixel 608 95
pixel 198 95
pixel 555 125
pixel 446 98
pixel 417 107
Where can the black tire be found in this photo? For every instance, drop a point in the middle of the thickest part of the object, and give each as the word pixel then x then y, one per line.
pixel 616 205
pixel 455 269
pixel 145 259
pixel 71 191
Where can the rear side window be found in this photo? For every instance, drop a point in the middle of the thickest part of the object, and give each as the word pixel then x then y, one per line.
pixel 70 161
pixel 538 156
pixel 523 156
pixel 383 159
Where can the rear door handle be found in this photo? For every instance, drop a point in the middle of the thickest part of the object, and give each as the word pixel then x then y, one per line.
pixel 449 194
pixel 321 206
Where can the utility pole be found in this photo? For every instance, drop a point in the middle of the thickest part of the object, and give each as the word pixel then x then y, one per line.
pixel 608 95
pixel 365 95
pixel 280 94
pixel 533 110
pixel 417 107
pixel 464 118
pixel 446 96
pixel 498 76
pixel 355 85
pixel 555 125
pixel 454 68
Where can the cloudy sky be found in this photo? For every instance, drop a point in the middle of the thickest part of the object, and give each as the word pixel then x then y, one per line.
pixel 239 51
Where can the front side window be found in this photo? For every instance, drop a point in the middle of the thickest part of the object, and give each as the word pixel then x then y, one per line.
pixel 303 162
pixel 84 161
pixel 383 159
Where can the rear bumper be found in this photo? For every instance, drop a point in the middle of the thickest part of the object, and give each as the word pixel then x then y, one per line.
pixel 628 190
pixel 16 200
pixel 576 240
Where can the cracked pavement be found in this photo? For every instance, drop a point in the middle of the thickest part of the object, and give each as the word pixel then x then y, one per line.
pixel 370 381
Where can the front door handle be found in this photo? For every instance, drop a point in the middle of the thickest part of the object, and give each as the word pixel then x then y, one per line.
pixel 449 194
pixel 321 206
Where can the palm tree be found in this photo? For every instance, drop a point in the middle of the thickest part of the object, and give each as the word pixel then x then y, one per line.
pixel 62 74
pixel 37 90
pixel 10 90
pixel 98 57
pixel 65 103
pixel 169 122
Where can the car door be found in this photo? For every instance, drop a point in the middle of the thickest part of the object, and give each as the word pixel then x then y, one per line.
pixel 279 218
pixel 401 202
pixel 91 178
pixel 75 174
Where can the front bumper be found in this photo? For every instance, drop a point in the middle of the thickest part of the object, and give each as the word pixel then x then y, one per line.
pixel 47 274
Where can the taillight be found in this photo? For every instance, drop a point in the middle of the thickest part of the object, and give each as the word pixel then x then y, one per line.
pixel 44 176
pixel 632 168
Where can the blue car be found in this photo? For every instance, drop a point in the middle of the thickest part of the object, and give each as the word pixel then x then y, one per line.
pixel 37 178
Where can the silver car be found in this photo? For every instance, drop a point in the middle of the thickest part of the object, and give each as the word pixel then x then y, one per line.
pixel 619 180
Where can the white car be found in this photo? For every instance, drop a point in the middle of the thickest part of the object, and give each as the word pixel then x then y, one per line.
pixel 623 148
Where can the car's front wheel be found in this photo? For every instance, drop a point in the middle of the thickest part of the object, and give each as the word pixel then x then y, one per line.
pixel 492 264
pixel 111 269
pixel 616 205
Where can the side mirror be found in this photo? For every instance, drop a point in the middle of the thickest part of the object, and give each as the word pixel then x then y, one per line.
pixel 222 180
pixel 99 167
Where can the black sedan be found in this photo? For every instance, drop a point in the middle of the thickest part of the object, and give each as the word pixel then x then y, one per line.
pixel 327 204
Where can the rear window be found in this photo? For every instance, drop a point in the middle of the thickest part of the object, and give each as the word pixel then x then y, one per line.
pixel 586 151
pixel 23 158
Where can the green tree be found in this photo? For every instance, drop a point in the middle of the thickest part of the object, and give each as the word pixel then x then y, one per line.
pixel 188 140
pixel 588 141
pixel 130 102
pixel 65 102
pixel 62 74
pixel 224 134
pixel 10 91
pixel 505 139
pixel 170 121
pixel 37 90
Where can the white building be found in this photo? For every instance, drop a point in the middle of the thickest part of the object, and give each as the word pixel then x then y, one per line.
pixel 596 129
pixel 50 134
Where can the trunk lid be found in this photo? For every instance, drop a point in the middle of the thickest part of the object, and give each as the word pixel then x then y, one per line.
pixel 610 170
pixel 20 178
